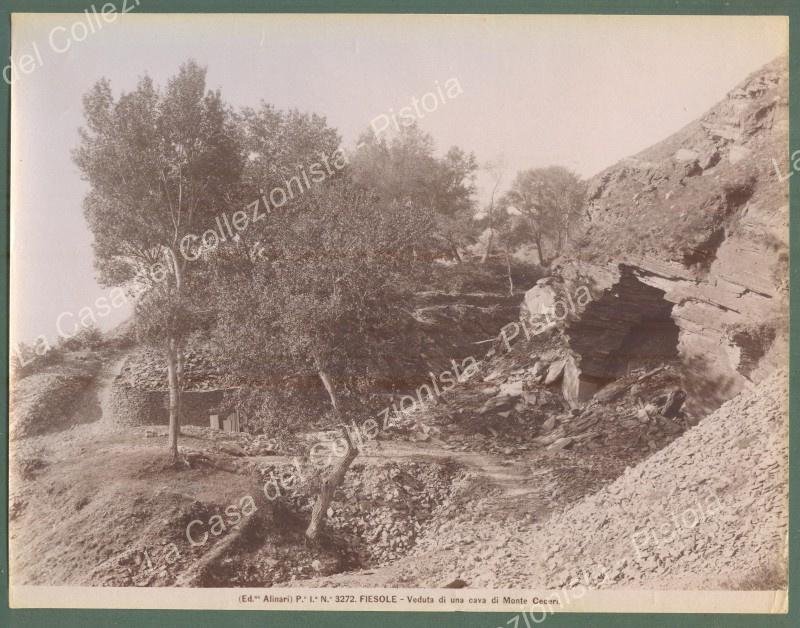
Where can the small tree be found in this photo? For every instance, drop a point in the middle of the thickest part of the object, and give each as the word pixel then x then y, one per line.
pixel 160 164
pixel 328 300
pixel 512 232
pixel 87 337
pixel 550 200
pixel 495 169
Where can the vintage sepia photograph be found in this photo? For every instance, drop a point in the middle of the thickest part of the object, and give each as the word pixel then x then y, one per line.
pixel 399 312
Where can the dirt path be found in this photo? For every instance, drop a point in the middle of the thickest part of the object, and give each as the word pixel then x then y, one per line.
pixel 93 413
pixel 90 419
pixel 102 386
pixel 513 477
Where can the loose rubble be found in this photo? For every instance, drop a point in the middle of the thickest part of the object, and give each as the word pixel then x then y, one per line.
pixel 707 512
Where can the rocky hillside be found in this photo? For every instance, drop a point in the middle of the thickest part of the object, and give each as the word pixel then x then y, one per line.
pixel 456 317
pixel 710 511
pixel 46 401
pixel 626 428
pixel 688 240
pixel 644 386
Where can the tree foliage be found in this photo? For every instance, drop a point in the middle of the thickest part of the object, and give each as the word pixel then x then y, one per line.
pixel 328 296
pixel 550 201
pixel 405 169
pixel 160 164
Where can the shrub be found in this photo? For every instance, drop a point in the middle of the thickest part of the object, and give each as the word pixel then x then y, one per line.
pixel 87 338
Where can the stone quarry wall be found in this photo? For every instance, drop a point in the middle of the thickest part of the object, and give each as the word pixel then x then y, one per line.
pixel 685 249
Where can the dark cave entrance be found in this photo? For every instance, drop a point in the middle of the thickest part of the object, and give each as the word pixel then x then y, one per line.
pixel 627 327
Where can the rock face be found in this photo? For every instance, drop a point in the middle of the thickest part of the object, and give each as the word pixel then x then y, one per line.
pixel 685 251
pixel 540 299
pixel 447 327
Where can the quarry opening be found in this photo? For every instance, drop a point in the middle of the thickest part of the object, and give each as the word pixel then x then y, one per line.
pixel 628 326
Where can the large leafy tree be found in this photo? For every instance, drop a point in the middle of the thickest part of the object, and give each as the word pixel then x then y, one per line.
pixel 327 299
pixel 550 200
pixel 402 168
pixel 286 150
pixel 452 190
pixel 161 164
pixel 405 169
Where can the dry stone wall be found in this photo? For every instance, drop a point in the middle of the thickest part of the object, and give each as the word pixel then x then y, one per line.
pixel 134 406
pixel 139 396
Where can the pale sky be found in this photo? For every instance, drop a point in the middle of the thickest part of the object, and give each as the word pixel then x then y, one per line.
pixel 580 91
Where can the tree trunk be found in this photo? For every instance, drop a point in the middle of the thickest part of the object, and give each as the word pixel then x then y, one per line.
pixel 326 381
pixel 488 250
pixel 175 367
pixel 540 252
pixel 329 485
pixel 488 246
pixel 510 280
pixel 537 240
pixel 456 254
pixel 174 397
pixel 179 373
pixel 334 479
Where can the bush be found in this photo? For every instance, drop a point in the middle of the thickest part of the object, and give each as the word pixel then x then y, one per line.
pixel 489 277
pixel 87 338
pixel 25 361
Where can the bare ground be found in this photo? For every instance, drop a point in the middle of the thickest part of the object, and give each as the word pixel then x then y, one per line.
pixel 97 504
